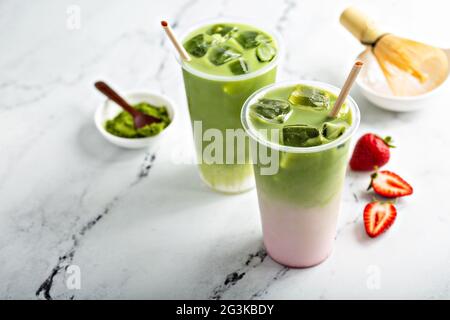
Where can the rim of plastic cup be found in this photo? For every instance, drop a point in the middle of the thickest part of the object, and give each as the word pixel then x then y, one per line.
pixel 356 117
pixel 273 33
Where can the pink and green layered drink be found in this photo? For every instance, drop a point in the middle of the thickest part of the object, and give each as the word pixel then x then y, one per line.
pixel 300 203
pixel 229 61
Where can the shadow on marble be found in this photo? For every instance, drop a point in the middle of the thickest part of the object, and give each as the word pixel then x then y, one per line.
pixel 370 112
pixel 177 192
pixel 95 146
pixel 360 234
pixel 371 115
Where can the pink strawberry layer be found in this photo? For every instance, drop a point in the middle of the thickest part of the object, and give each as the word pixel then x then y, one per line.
pixel 298 237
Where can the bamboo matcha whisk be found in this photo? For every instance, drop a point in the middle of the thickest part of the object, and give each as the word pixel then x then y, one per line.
pixel 410 67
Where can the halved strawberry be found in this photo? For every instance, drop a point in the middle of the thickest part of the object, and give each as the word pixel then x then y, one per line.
pixel 378 217
pixel 389 184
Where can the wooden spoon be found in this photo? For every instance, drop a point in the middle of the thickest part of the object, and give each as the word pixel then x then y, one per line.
pixel 140 119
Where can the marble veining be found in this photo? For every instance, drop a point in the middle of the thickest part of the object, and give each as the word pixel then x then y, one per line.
pixel 253 260
pixel 67 258
pixel 140 224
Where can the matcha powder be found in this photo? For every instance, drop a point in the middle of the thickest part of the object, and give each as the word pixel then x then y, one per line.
pixel 123 126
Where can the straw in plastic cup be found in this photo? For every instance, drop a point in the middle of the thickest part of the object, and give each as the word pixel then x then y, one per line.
pixel 300 203
pixel 215 103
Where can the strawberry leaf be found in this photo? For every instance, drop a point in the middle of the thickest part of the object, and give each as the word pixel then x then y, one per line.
pixel 388 141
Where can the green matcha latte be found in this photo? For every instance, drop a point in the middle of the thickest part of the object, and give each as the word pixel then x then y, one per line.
pixel 300 203
pixel 229 61
pixel 313 148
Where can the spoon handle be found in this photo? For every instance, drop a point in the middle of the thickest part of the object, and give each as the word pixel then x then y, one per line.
pixel 114 96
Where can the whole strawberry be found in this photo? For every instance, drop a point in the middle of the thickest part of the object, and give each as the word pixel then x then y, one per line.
pixel 370 151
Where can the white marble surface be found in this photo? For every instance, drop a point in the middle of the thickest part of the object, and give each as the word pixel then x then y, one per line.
pixel 140 224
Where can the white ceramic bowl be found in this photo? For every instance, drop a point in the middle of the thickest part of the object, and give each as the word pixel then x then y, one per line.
pixel 394 103
pixel 109 109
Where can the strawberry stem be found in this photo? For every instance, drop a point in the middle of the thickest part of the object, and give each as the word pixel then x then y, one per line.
pixel 372 176
pixel 388 141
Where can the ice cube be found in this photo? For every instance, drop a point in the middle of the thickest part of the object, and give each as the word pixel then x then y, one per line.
pixel 301 135
pixel 271 110
pixel 247 39
pixel 251 39
pixel 222 54
pixel 215 39
pixel 232 43
pixel 332 131
pixel 222 29
pixel 310 97
pixel 239 66
pixel 265 52
pixel 197 46
pixel 320 99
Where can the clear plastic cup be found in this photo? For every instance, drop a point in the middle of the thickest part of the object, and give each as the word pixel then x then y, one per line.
pixel 215 102
pixel 300 204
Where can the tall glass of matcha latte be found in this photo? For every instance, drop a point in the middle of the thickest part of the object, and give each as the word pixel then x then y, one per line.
pixel 229 61
pixel 300 202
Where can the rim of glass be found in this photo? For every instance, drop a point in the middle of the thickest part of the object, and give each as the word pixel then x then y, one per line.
pixel 356 117
pixel 273 33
